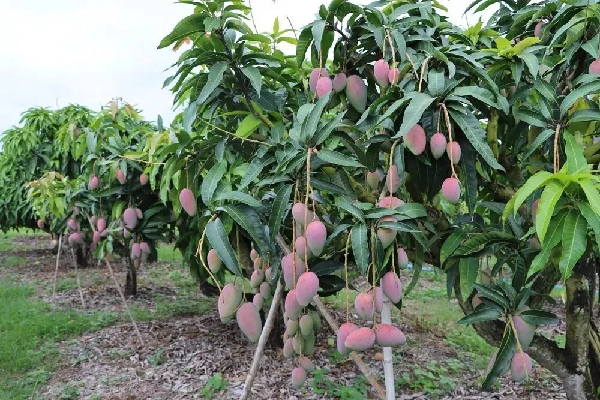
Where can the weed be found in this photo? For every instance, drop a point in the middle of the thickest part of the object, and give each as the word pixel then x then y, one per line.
pixel 213 385
pixel 322 384
pixel 434 379
pixel 69 392
pixel 14 261
pixel 158 358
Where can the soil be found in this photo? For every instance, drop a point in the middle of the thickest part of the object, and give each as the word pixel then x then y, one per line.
pixel 180 354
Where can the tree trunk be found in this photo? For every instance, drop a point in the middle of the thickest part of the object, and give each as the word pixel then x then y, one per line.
pixel 131 281
pixel 81 252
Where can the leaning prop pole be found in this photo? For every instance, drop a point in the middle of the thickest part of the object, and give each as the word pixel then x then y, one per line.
pixel 60 237
pixel 264 336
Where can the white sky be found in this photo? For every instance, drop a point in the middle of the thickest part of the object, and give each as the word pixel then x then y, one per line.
pixel 81 51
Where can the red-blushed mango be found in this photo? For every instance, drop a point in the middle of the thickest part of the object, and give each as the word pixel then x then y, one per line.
pixel 96 237
pixel 94 182
pixel 188 201
pixel 451 190
pixel 314 77
pixel 595 67
pixel 72 224
pixel 213 261
pixel 306 325
pixel 339 82
pixel 388 335
pixel 306 363
pixel 121 176
pixel 287 267
pixel 381 71
pixel 291 327
pixel 520 366
pixel 298 377
pixel 307 288
pixel 258 300
pixel 402 257
pixel 248 319
pixel 288 349
pixel 136 262
pixel 316 235
pixel 265 290
pixel 130 218
pixel 268 274
pixel 40 224
pixel 298 211
pixel 390 202
pixel 257 263
pixel 342 334
pixel 394 75
pixel 416 140
pixel 101 224
pixel 292 308
pixel 437 143
pixel 454 152
pixel 392 180
pixel 229 300
pixel 324 86
pixel 145 247
pixel 364 306
pixel 139 213
pixel 135 251
pixel 392 286
pixel 386 236
pixel 298 344
pixel 361 339
pixel 373 180
pixel 302 247
pixel 534 209
pixel 253 254
pixel 309 344
pixel 537 31
pixel 525 332
pixel 143 179
pixel 356 93
pixel 258 276
pixel 378 298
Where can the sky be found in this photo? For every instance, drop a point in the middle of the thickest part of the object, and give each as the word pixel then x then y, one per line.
pixel 58 52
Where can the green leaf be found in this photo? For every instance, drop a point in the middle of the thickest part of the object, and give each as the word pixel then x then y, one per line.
pixel 524 44
pixel 352 209
pixel 592 194
pixel 472 129
pixel 333 157
pixel 247 126
pixel 554 189
pixel 553 237
pixel 280 205
pixel 317 32
pixel 539 140
pixel 579 93
pixel 584 116
pixel 239 197
pixel 254 170
pixel 503 358
pixel 481 315
pixel 592 218
pixel 531 117
pixel 478 243
pixel 494 294
pixel 215 76
pixel 211 181
pixel 309 127
pixel 411 210
pixel 478 93
pixel 436 82
pixel 247 218
pixel 468 270
pixel 414 112
pixel 451 244
pixel 253 75
pixel 468 162
pixel 190 24
pixel 304 41
pixel 576 161
pixel 255 37
pixel 417 268
pixel 538 317
pixel 574 242
pixel 323 133
pixel 532 184
pixel 360 247
pixel 217 237
pixel 532 62
pixel 399 227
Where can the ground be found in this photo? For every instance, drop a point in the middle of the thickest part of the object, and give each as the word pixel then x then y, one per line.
pixel 51 347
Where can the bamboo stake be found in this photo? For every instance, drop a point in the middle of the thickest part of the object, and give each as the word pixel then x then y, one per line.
pixel 388 364
pixel 77 276
pixel 264 336
pixel 60 237
pixel 137 331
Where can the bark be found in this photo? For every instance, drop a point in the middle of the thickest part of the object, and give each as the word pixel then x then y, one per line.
pixel 131 281
pixel 578 384
pixel 544 284
pixel 82 254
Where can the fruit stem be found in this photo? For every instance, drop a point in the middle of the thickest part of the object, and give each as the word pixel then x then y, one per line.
pixel 423 66
pixel 449 126
pixel 556 152
pixel 199 253
pixel 519 348
pixel 346 278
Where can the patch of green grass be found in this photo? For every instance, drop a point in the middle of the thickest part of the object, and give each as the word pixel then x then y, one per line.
pixel 322 384
pixel 29 330
pixel 433 379
pixel 186 303
pixel 13 261
pixel 166 252
pixel 66 284
pixel 12 233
